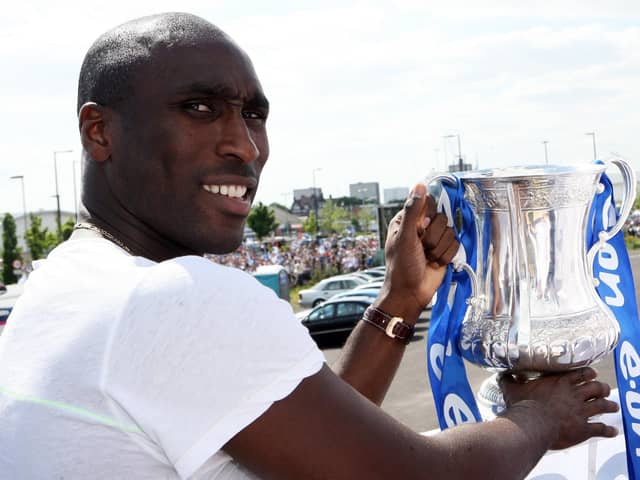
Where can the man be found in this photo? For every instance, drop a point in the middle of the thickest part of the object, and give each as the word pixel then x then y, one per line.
pixel 130 356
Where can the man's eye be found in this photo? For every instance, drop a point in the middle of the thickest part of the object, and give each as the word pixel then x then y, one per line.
pixel 254 115
pixel 198 107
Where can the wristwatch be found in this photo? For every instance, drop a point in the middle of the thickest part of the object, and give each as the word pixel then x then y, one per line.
pixel 394 327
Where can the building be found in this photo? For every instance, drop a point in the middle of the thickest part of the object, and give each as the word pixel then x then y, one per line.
pixel 306 200
pixel 288 223
pixel 368 192
pixel 396 194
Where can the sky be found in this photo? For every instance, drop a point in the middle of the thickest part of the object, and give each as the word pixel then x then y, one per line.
pixel 359 91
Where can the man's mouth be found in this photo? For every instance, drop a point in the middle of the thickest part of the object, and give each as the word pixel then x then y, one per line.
pixel 232 191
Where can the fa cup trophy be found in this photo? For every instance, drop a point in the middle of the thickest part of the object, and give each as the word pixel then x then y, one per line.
pixel 533 306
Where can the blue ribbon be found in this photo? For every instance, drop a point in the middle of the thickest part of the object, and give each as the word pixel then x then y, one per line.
pixel 454 400
pixel 613 271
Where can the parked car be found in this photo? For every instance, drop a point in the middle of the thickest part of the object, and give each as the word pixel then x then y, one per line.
pixel 336 315
pixel 358 292
pixel 372 288
pixel 327 288
pixel 378 273
pixel 364 276
pixel 372 284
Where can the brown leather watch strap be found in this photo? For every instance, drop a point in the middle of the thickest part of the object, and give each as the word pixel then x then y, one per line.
pixel 394 327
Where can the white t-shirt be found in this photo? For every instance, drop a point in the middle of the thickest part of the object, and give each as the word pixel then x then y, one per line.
pixel 117 367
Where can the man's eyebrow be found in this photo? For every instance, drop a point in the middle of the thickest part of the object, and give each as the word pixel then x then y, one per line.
pixel 225 92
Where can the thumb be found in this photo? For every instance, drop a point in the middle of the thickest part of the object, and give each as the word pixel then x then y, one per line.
pixel 415 205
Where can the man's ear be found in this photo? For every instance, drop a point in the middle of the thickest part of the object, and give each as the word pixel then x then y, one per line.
pixel 95 131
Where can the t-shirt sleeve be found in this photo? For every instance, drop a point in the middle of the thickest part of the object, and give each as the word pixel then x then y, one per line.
pixel 200 351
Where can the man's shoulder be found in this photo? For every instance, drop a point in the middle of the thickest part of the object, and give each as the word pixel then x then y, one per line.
pixel 195 273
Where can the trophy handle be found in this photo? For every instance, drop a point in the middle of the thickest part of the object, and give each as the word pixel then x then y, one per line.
pixel 459 261
pixel 630 182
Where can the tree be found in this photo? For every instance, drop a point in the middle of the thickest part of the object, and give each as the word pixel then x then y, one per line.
pixel 365 217
pixel 67 229
pixel 332 217
pixel 309 225
pixel 10 251
pixel 348 201
pixel 39 240
pixel 262 220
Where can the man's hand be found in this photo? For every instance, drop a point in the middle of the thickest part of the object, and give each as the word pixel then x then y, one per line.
pixel 566 402
pixel 418 248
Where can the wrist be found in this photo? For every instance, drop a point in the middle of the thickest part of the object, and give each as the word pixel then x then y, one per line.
pixel 532 417
pixel 398 306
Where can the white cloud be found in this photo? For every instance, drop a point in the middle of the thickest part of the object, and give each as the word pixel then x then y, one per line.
pixel 364 90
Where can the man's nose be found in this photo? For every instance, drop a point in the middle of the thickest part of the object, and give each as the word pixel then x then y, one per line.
pixel 237 139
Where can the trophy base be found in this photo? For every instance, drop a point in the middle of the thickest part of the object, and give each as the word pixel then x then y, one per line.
pixel 490 400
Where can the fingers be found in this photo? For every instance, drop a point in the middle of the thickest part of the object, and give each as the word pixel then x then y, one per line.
pixel 599 429
pixel 599 406
pixel 581 375
pixel 439 240
pixel 415 204
pixel 593 389
pixel 420 216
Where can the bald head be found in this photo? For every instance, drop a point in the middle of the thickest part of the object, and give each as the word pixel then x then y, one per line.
pixel 106 76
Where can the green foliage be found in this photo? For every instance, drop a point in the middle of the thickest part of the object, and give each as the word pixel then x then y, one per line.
pixel 632 242
pixel 636 204
pixel 10 251
pixel 365 217
pixel 40 240
pixel 348 201
pixel 319 274
pixel 332 217
pixel 309 225
pixel 262 220
pixel 67 229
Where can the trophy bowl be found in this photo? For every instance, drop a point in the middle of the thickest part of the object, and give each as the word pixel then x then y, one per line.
pixel 533 307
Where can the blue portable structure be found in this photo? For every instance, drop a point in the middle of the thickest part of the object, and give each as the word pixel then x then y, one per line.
pixel 274 277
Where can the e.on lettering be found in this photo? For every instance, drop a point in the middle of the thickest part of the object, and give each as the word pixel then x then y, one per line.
pixel 629 362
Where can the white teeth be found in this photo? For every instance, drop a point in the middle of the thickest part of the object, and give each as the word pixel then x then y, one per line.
pixel 234 191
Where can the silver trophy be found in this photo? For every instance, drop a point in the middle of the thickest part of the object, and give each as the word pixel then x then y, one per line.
pixel 533 307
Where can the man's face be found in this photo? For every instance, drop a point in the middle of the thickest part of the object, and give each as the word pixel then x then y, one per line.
pixel 189 146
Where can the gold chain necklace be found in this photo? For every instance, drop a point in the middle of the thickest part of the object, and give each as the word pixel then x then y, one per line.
pixel 103 233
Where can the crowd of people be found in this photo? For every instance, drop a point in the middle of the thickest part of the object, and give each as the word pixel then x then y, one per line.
pixel 302 257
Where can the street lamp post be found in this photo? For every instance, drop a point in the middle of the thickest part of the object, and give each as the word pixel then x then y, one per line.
pixel 546 153
pixel 593 138
pixel 24 202
pixel 75 189
pixel 315 199
pixel 57 195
